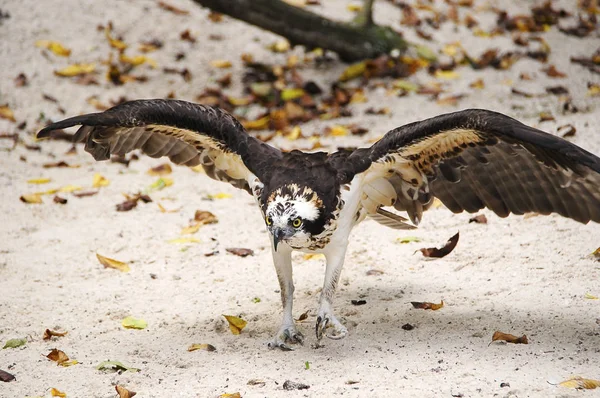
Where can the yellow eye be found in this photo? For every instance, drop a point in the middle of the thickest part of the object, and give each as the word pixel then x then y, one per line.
pixel 268 220
pixel 297 222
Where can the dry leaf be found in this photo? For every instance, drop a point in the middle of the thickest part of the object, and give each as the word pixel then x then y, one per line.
pixel 337 130
pixel 509 338
pixel 164 210
pixel 7 113
pixel 75 70
pixel 220 195
pixel 477 84
pixel 596 253
pixel 580 383
pixel 192 229
pixel 14 343
pixel 443 251
pixel 99 181
pixel 280 46
pixel 56 393
pixel 220 63
pixel 408 239
pixel 173 9
pixel 567 130
pixel 160 170
pixel 161 183
pixel 124 393
pixel 313 256
pixel 6 377
pixel 205 217
pixel 232 395
pixel 479 219
pixel 303 316
pixel 235 324
pixel 291 93
pixel 127 205
pixel 48 334
pixel 551 71
pixel 238 251
pixel 35 198
pixel 39 181
pixel 53 46
pixel 206 347
pixel 353 71
pixel 134 323
pixel 446 74
pixel 590 296
pixel 57 356
pixel 116 366
pixel 184 240
pixel 427 306
pixel 110 263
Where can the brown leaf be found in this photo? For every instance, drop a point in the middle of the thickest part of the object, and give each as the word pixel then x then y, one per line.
pixel 127 205
pixel 567 130
pixel 48 334
pixel 33 198
pixel 238 251
pixel 186 35
pixel 551 71
pixel 84 194
pixel 206 347
pixel 546 117
pixel 303 316
pixel 205 217
pixel 111 263
pixel 59 200
pixel 57 356
pixel 479 219
pixel 171 8
pixel 374 272
pixel 124 393
pixel 557 90
pixel 21 80
pixel 7 113
pixel 521 93
pixel 443 251
pixel 160 170
pixel 236 324
pixel 427 305
pixel 509 338
pixel 6 377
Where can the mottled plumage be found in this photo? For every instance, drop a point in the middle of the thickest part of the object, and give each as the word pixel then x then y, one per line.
pixel 311 201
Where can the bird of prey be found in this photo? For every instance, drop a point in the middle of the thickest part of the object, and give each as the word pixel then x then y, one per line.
pixel 471 159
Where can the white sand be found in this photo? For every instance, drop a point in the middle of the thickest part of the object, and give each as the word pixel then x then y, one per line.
pixel 521 276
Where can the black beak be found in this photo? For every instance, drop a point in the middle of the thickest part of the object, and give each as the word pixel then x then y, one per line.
pixel 278 235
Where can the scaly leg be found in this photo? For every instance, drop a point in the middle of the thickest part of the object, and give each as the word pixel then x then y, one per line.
pixel 325 317
pixel 287 333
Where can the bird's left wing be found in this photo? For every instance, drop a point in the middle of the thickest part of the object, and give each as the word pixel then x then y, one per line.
pixel 473 159
pixel 189 134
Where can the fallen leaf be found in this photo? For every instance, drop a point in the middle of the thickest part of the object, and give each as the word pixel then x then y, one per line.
pixel 220 63
pixel 35 198
pixel 57 356
pixel 303 316
pixel 593 89
pixel 446 74
pixel 596 253
pixel 84 194
pixel 48 334
pixel 60 163
pixel 160 170
pixel 164 210
pixel 477 84
pixel 567 130
pixel 258 124
pixel 99 181
pixel 206 347
pixel 590 296
pixel 337 130
pixel 173 9
pixel 427 306
pixel 76 70
pixel 205 217
pixel 374 272
pixel 39 181
pixel 238 251
pixel 7 113
pixel 313 256
pixel 116 366
pixel 546 117
pixel 407 326
pixel 56 393
pixel 551 71
pixel 184 240
pixel 110 263
pixel 161 183
pixel 509 338
pixel 53 46
pixel 443 251
pixel 280 46
pixel 353 71
pixel 408 239
pixel 232 395
pixel 59 200
pixel 479 219
pixel 192 229
pixel 358 302
pixel 235 324
pixel 580 383
pixel 291 93
pixel 6 377
pixel 220 195
pixel 14 343
pixel 256 382
pixel 134 323
pixel 124 393
pixel 127 205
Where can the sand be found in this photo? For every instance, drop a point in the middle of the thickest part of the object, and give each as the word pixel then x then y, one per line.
pixel 520 275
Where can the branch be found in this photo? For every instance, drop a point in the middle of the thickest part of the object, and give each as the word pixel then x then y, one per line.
pixel 299 26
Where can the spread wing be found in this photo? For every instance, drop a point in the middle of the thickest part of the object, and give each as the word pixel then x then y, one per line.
pixel 474 159
pixel 189 134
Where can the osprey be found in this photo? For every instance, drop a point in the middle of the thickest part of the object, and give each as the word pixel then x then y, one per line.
pixel 310 202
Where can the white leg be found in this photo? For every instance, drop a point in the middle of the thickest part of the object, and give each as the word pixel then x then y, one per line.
pixel 287 333
pixel 325 317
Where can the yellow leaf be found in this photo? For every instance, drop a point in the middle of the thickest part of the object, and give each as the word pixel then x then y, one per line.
pixel 207 347
pixel 258 124
pixel 35 198
pixel 161 183
pixel 69 188
pixel 580 383
pixel 54 46
pixel 427 306
pixel 338 130
pixel 99 181
pixel 184 240
pixel 220 63
pixel 590 296
pixel 134 323
pixel 7 113
pixel 291 93
pixel 232 395
pixel 220 195
pixel 408 239
pixel 164 210
pixel 353 71
pixel 39 181
pixel 452 49
pixel 294 134
pixel 75 70
pixel 192 229
pixel 235 324
pixel 446 74
pixel 66 364
pixel 115 264
pixel 477 84
pixel 280 46
pixel 124 393
pixel 596 253
pixel 55 393
pixel 358 97
pixel 313 256
pixel 160 170
pixel 137 60
pixel 239 101
pixel 593 90
pixel 114 43
pixel 354 7
pixel 58 356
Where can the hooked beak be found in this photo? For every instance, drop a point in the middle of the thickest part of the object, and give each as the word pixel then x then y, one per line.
pixel 279 234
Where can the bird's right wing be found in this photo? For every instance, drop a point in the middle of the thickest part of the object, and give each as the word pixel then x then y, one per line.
pixel 189 134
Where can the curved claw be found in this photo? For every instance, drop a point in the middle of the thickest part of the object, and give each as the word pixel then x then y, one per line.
pixel 339 330
pixel 320 326
pixel 286 334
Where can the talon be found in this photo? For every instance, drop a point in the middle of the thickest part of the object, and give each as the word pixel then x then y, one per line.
pixel 320 326
pixel 286 334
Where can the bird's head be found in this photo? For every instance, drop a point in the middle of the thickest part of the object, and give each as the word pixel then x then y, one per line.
pixel 293 215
